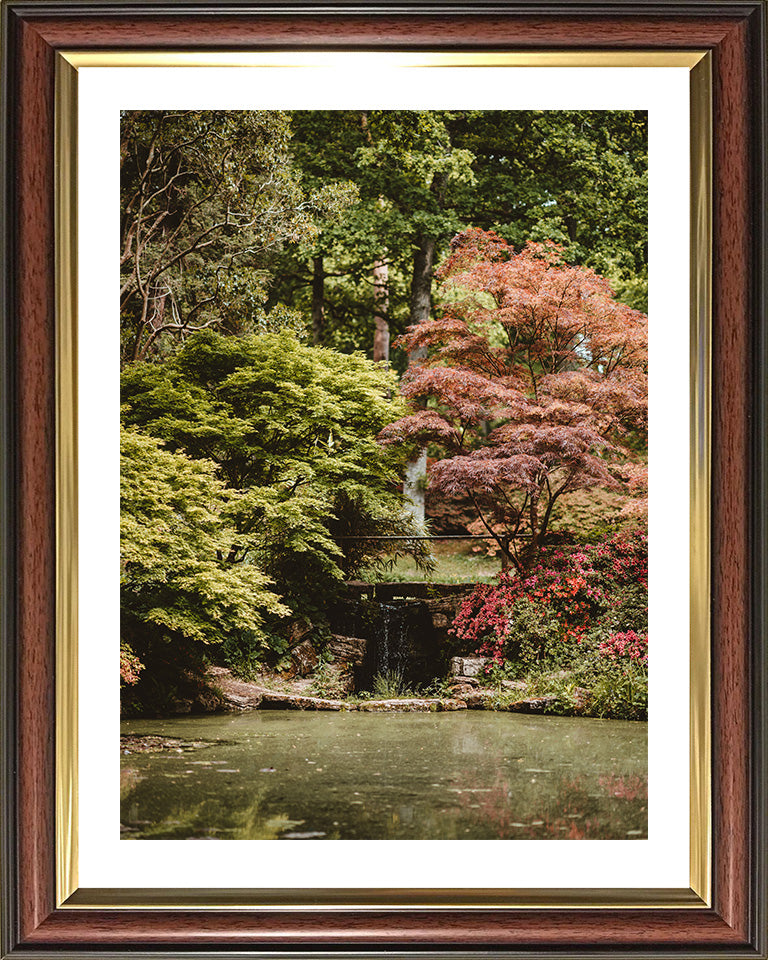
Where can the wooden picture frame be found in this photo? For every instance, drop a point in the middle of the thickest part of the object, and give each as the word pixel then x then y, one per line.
pixel 734 923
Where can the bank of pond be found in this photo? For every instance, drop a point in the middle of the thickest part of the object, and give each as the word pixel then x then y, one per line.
pixel 395 646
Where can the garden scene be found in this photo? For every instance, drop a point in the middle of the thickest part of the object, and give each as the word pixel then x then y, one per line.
pixel 384 561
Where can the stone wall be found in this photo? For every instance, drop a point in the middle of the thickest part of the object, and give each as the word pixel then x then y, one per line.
pixel 431 611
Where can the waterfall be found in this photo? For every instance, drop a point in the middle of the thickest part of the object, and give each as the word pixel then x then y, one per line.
pixel 401 640
pixel 392 638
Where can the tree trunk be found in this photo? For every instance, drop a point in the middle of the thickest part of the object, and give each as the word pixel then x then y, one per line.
pixel 421 285
pixel 318 301
pixel 381 310
pixel 415 482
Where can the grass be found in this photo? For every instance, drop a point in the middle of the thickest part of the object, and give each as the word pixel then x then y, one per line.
pixel 391 686
pixel 457 562
pixel 467 561
pixel 610 694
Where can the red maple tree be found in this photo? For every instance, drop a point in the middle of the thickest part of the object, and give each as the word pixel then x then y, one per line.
pixel 533 374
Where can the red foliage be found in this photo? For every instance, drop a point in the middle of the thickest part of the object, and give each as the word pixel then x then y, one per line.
pixel 532 374
pixel 130 666
pixel 574 586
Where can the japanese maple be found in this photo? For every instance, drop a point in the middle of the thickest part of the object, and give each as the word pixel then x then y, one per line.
pixel 532 376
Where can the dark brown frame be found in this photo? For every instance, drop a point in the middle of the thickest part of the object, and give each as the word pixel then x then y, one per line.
pixel 735 33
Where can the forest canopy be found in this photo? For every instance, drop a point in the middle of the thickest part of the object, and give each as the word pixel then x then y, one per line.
pixel 326 220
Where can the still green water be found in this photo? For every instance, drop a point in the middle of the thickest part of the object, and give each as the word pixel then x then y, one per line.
pixel 357 776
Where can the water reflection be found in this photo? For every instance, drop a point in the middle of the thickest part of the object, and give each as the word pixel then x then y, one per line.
pixel 474 775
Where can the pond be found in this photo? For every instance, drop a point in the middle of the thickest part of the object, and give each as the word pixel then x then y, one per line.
pixel 406 776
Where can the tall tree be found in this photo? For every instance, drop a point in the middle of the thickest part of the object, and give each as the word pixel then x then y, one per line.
pixel 400 162
pixel 534 372
pixel 205 195
pixel 575 177
pixel 578 178
pixel 411 155
pixel 381 311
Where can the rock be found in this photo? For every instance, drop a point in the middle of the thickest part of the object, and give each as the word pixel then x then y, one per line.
pixel 235 694
pixel 478 699
pixel 239 695
pixel 453 704
pixel 472 666
pixel 335 680
pixel 290 701
pixel 581 697
pixel 532 705
pixel 304 658
pixel 442 612
pixel 393 706
pixel 467 666
pixel 298 630
pixel 179 705
pixel 233 702
pixel 347 649
pixel 207 701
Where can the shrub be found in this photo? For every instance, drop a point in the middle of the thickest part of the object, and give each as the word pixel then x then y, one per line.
pixel 625 646
pixel 291 430
pixel 180 595
pixel 391 686
pixel 620 691
pixel 584 605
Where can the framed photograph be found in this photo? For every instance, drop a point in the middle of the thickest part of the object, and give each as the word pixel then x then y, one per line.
pixel 634 822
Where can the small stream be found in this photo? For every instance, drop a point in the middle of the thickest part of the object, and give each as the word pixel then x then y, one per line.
pixel 346 776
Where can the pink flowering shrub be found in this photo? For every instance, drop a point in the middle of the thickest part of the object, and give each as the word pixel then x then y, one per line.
pixel 571 602
pixel 625 646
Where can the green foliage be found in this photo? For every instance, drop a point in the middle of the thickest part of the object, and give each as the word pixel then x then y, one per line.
pixel 368 515
pixel 174 533
pixel 207 197
pixel 577 177
pixel 440 687
pixel 591 687
pixel 537 635
pixel 328 679
pixel 454 563
pixel 179 595
pixel 619 691
pixel 227 214
pixel 292 429
pixel 245 655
